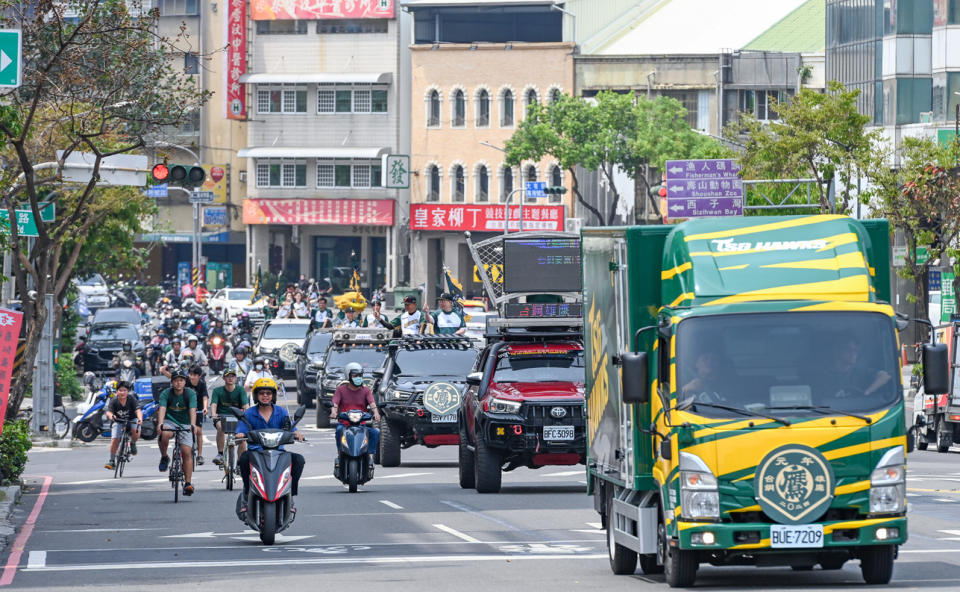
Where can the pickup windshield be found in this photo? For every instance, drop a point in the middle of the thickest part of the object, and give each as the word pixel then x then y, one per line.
pixel 537 367
pixel 788 364
pixel 291 331
pixel 434 362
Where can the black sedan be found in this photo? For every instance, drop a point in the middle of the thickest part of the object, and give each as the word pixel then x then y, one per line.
pixel 310 359
pixel 106 339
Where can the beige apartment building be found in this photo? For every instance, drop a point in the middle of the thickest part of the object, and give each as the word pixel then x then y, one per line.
pixel 468 99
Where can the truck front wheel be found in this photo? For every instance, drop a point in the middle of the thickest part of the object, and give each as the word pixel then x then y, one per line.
pixel 466 461
pixel 679 567
pixel 487 473
pixel 876 564
pixel 623 561
pixel 944 435
pixel 389 444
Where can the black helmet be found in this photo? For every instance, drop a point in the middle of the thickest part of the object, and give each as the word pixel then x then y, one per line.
pixel 178 373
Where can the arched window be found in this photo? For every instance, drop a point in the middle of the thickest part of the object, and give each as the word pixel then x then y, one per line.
pixel 458 183
pixel 531 173
pixel 506 108
pixel 483 108
pixel 433 118
pixel 433 174
pixel 554 95
pixel 531 98
pixel 483 184
pixel 459 109
pixel 556 176
pixel 506 182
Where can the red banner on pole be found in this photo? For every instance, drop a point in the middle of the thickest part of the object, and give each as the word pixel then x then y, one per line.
pixel 10 321
pixel 366 212
pixel 236 59
pixel 486 217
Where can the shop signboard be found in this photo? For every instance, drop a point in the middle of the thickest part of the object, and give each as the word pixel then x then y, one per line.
pixel 267 10
pixel 484 218
pixel 337 212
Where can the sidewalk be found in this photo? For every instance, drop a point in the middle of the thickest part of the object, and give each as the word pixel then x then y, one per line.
pixel 11 496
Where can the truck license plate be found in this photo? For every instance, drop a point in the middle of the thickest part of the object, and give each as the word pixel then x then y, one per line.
pixel 448 418
pixel 793 537
pixel 558 432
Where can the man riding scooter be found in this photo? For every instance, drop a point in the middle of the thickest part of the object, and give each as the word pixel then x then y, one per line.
pixel 353 395
pixel 126 362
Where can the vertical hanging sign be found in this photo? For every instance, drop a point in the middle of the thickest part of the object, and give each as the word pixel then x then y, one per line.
pixel 9 333
pixel 236 59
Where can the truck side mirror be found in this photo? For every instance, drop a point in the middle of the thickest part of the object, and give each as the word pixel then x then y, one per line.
pixel 936 369
pixel 474 378
pixel 633 378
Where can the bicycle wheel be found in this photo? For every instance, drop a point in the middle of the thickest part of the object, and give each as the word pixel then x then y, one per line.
pixel 229 467
pixel 61 425
pixel 176 468
pixel 121 450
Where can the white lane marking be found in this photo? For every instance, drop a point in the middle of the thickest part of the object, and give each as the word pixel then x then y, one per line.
pixel 563 474
pixel 480 514
pixel 581 481
pixel 955 533
pixel 206 535
pixel 594 524
pixel 100 530
pixel 390 504
pixel 124 481
pixel 404 475
pixel 37 559
pixel 456 533
pixel 944 499
pixel 411 560
pixel 280 538
pixel 588 531
pixel 316 477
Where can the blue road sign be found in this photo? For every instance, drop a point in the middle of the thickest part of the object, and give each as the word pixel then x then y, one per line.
pixel 155 191
pixel 700 188
pixel 536 189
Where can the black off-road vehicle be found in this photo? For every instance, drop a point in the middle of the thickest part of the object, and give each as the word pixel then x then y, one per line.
pixel 367 347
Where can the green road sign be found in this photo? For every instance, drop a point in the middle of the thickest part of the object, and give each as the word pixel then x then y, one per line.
pixel 26 224
pixel 11 62
pixel 923 255
pixel 948 300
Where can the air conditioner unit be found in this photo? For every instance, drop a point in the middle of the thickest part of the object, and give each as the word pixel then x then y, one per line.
pixel 572 225
pixel 243 176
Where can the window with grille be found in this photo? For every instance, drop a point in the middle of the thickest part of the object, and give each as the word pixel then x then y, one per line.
pixel 506 113
pixel 276 100
pixel 351 100
pixel 459 109
pixel 281 27
pixel 281 174
pixel 325 175
pixel 433 117
pixel 434 190
pixel 326 101
pixel 361 175
pixel 483 184
pixel 361 101
pixel 458 182
pixel 483 109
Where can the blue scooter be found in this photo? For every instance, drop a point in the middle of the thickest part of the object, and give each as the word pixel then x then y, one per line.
pixel 92 422
pixel 352 465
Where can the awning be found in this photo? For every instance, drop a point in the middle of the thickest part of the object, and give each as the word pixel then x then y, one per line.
pixel 311 152
pixel 319 77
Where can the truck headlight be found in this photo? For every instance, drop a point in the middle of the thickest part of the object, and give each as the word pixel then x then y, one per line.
pixel 396 395
pixel 699 497
pixel 503 405
pixel 888 483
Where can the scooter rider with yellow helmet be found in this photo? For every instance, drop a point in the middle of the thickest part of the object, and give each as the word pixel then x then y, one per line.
pixel 266 414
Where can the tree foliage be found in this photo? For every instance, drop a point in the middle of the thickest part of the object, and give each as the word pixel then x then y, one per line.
pixel 613 130
pixel 96 79
pixel 818 136
pixel 921 199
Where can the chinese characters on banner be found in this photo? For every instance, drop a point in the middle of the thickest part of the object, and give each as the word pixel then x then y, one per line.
pixel 236 59
pixel 270 10
pixel 483 217
pixel 367 212
pixel 9 333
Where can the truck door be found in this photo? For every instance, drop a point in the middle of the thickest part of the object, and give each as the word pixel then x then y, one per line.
pixel 624 339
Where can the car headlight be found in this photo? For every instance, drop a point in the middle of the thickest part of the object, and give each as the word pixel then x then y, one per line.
pixel 503 406
pixel 331 383
pixel 888 483
pixel 397 395
pixel 699 497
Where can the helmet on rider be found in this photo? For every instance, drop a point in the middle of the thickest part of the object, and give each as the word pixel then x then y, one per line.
pixel 127 345
pixel 176 312
pixel 354 373
pixel 192 339
pixel 259 363
pixel 143 306
pixel 265 384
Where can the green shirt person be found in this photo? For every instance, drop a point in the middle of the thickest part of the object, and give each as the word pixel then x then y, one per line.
pixel 178 410
pixel 447 321
pixel 270 308
pixel 229 395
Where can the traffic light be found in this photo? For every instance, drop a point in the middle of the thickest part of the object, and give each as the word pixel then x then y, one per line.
pixel 554 190
pixel 179 174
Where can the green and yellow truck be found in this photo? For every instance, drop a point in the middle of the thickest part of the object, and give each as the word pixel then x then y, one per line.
pixel 744 399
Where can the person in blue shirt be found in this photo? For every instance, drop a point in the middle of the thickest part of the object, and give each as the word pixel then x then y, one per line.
pixel 266 414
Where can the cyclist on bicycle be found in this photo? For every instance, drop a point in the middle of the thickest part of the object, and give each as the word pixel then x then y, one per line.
pixel 228 395
pixel 124 411
pixel 266 415
pixel 178 409
pixel 199 386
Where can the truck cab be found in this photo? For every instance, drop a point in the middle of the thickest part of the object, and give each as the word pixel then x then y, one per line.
pixel 523 407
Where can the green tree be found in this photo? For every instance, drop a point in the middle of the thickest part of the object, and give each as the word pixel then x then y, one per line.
pixel 97 78
pixel 920 200
pixel 613 130
pixel 818 136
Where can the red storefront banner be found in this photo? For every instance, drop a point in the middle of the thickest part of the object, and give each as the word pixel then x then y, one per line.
pixel 9 334
pixel 269 10
pixel 367 212
pixel 236 59
pixel 488 217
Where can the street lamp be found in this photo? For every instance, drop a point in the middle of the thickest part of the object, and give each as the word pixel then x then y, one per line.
pixel 574 17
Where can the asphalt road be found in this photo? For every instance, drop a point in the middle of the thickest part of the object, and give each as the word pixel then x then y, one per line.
pixel 411 528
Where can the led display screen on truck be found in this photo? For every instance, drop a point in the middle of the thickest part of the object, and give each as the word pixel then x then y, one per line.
pixel 548 265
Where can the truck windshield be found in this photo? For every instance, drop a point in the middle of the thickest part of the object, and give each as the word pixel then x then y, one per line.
pixel 537 367
pixel 787 364
pixel 434 362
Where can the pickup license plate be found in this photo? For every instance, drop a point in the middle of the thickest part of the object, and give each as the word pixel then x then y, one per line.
pixel 448 418
pixel 558 433
pixel 794 537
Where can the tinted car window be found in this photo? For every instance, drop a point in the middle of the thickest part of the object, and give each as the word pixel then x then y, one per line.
pixel 117 315
pixel 434 362
pixel 240 295
pixel 367 357
pixel 318 343
pixel 537 367
pixel 113 333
